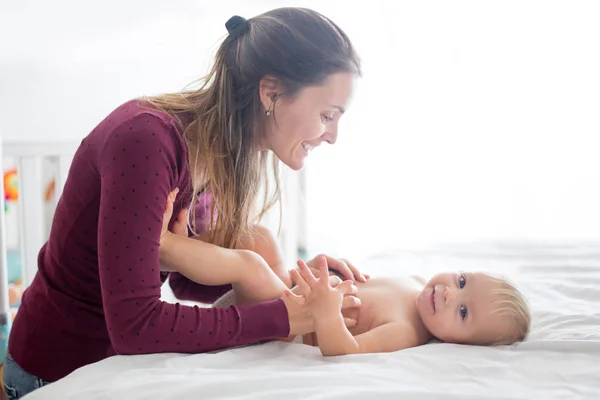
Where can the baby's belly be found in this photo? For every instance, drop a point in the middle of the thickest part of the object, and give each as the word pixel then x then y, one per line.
pixel 362 316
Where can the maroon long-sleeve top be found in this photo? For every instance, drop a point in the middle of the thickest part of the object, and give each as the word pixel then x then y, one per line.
pixel 97 289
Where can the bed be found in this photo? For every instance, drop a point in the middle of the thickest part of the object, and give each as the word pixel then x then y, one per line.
pixel 560 360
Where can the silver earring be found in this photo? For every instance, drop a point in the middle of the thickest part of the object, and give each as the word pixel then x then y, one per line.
pixel 268 113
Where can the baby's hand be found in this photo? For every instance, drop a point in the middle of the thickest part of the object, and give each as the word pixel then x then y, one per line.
pixel 323 300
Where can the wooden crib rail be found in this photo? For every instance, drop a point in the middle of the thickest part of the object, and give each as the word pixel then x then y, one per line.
pixel 4 305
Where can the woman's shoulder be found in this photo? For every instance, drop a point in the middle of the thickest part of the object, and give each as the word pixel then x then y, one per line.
pixel 136 122
pixel 141 112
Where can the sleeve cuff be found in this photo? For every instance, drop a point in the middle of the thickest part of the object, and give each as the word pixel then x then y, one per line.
pixel 266 320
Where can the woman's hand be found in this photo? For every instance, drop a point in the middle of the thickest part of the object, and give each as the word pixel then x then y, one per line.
pixel 180 225
pixel 342 266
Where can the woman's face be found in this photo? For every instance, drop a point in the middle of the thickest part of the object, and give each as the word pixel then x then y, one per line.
pixel 298 125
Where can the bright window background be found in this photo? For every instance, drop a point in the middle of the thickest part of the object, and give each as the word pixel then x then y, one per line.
pixel 474 119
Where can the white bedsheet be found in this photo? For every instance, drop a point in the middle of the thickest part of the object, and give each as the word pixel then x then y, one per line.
pixel 561 359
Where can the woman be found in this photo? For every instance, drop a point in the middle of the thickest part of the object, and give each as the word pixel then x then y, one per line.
pixel 280 82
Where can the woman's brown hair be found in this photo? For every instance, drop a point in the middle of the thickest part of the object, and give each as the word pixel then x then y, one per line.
pixel 297 46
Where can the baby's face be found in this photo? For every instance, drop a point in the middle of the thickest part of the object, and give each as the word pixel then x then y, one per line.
pixel 457 307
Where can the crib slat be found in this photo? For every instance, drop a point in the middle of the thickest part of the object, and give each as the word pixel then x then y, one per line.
pixel 31 214
pixel 4 304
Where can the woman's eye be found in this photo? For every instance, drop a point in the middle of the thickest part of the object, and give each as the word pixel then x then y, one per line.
pixel 462 281
pixel 463 312
pixel 326 117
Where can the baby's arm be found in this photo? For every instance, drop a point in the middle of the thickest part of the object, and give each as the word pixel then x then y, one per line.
pixel 335 339
pixel 331 333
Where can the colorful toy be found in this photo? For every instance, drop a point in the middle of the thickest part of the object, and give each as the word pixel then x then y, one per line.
pixel 50 190
pixel 11 187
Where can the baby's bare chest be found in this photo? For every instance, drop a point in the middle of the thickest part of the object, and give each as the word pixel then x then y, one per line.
pixel 384 301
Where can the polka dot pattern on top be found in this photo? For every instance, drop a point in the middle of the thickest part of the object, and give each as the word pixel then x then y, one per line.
pixel 98 289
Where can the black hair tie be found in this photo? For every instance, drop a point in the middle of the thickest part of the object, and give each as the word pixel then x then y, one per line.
pixel 237 26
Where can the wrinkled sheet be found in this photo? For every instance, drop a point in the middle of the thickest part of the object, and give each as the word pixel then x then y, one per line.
pixel 560 360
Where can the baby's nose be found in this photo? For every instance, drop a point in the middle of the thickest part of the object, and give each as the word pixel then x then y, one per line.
pixel 449 294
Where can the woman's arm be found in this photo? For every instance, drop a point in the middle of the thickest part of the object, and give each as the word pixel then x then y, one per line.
pixel 137 170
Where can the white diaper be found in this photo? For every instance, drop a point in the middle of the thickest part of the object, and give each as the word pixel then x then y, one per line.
pixel 227 300
pixel 298 339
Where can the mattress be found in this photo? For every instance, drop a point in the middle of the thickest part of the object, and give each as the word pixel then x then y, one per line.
pixel 560 360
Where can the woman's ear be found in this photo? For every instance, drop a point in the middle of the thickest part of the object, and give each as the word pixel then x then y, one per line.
pixel 269 90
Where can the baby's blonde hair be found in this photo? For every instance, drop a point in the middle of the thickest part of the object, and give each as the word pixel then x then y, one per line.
pixel 509 303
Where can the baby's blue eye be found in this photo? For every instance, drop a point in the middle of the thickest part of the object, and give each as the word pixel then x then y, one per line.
pixel 462 281
pixel 463 312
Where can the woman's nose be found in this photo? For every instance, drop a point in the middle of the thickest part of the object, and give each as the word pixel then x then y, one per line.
pixel 330 136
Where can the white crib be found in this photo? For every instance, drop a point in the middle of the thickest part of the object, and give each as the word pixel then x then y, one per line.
pixel 29 158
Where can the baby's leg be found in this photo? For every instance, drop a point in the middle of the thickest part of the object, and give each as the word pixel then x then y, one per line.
pixel 267 277
pixel 262 242
pixel 266 281
pixel 258 283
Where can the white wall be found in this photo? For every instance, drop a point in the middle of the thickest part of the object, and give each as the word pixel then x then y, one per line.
pixel 474 119
pixel 65 64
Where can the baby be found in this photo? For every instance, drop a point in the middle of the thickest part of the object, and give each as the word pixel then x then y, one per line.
pixel 398 313
pixel 394 313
